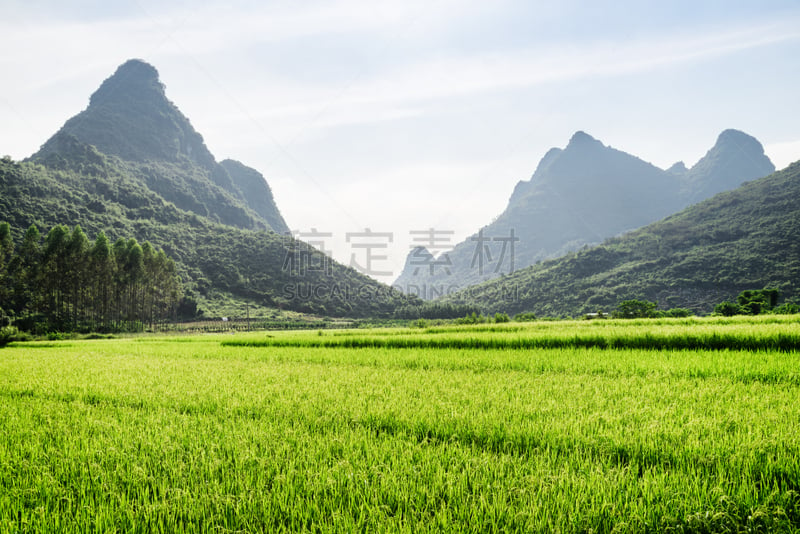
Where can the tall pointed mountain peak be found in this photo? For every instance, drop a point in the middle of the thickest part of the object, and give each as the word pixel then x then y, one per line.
pixel 130 116
pixel 132 77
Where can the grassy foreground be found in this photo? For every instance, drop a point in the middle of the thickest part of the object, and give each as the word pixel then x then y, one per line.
pixel 297 432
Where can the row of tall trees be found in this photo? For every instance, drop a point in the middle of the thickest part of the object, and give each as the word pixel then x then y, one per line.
pixel 65 282
pixel 434 310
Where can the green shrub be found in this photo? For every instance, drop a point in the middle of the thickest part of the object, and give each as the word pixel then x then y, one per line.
pixel 501 317
pixel 787 308
pixel 752 302
pixel 97 335
pixel 473 318
pixel 728 309
pixel 8 334
pixel 756 301
pixel 525 317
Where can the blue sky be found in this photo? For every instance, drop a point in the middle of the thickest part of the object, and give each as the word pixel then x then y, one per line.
pixel 402 116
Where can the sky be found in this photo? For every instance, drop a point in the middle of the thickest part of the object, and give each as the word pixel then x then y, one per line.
pixel 405 116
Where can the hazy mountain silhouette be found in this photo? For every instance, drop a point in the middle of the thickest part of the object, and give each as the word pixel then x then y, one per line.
pixel 735 158
pixel 747 238
pixel 581 195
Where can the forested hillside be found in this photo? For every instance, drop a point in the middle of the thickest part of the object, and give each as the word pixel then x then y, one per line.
pixel 262 267
pixel 748 238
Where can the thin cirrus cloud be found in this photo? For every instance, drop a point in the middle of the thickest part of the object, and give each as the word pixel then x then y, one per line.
pixel 247 53
pixel 209 36
pixel 447 77
pixel 405 90
pixel 223 30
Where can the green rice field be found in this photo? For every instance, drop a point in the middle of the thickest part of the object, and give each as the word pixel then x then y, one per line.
pixel 669 425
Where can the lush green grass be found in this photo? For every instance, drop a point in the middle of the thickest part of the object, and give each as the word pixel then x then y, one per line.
pixel 778 333
pixel 194 434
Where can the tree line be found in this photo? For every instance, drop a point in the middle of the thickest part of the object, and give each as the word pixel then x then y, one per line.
pixel 65 282
pixel 748 302
pixel 434 310
pixel 756 302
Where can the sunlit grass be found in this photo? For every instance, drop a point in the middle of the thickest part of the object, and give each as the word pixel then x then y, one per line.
pixel 190 434
pixel 772 334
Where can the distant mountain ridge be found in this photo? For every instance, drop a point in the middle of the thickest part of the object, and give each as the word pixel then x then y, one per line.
pixel 130 117
pixel 747 238
pixel 581 195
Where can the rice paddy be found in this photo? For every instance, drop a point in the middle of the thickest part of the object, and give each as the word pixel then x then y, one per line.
pixel 459 429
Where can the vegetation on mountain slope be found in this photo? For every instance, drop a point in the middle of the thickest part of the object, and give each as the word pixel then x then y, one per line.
pixel 258 266
pixel 744 239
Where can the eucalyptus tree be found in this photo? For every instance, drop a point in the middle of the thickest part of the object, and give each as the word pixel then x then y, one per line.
pixel 71 283
pixel 101 269
pixel 76 276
